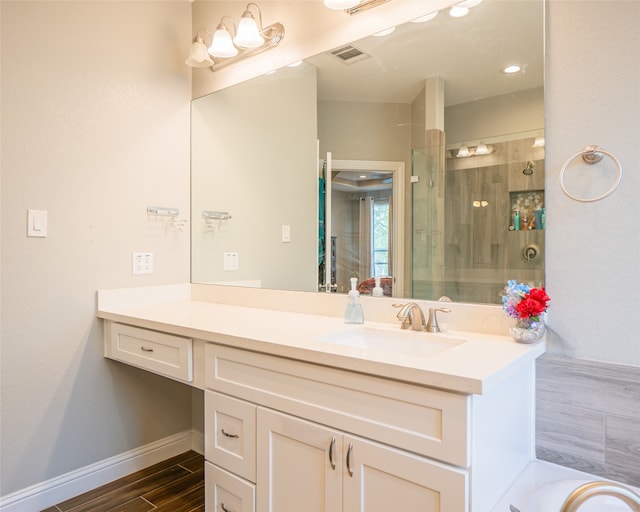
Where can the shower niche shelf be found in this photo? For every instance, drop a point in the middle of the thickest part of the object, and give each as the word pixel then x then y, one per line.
pixel 529 204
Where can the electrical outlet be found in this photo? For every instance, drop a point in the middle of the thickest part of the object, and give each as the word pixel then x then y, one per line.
pixel 231 261
pixel 142 263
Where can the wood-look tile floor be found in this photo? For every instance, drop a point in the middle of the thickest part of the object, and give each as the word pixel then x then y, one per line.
pixel 173 485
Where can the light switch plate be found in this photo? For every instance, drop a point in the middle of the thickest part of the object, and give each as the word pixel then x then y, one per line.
pixel 37 223
pixel 286 233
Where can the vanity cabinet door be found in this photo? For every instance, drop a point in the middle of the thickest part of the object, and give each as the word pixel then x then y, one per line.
pixel 381 478
pixel 299 465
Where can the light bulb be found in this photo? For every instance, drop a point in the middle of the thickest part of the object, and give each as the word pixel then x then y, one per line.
pixel 198 56
pixel 248 35
pixel 463 152
pixel 482 149
pixel 221 45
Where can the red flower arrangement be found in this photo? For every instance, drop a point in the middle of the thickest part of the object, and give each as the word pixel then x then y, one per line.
pixel 523 301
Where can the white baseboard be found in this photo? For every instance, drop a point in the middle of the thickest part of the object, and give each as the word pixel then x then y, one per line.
pixel 46 494
pixel 197 441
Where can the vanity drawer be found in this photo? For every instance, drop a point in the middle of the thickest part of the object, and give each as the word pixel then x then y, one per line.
pixel 422 420
pixel 225 491
pixel 230 434
pixel 160 353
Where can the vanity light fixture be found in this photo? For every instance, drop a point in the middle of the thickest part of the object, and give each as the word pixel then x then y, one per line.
pixel 249 39
pixel 465 151
pixel 538 142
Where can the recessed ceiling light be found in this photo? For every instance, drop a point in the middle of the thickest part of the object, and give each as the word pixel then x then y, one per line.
pixel 511 69
pixel 458 12
pixel 426 17
pixel 384 32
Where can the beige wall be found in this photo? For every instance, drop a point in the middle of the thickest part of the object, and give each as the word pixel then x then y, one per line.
pixel 593 249
pixel 95 128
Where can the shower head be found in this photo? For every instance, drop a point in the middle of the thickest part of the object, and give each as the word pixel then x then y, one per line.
pixel 528 170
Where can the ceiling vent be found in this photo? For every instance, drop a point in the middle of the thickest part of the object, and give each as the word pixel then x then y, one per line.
pixel 349 54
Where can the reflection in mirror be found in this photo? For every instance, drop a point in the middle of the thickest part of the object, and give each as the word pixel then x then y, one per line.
pixel 365 199
pixel 430 96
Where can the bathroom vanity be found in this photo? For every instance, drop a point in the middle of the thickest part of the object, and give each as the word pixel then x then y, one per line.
pixel 305 413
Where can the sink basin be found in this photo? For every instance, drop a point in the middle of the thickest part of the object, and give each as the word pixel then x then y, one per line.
pixel 397 341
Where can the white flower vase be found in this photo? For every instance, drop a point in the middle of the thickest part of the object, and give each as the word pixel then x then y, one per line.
pixel 527 330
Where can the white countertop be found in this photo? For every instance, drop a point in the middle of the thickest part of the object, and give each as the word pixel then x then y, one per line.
pixel 471 367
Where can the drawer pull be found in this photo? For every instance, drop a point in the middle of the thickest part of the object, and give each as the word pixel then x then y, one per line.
pixel 332 448
pixel 145 349
pixel 349 459
pixel 224 509
pixel 226 434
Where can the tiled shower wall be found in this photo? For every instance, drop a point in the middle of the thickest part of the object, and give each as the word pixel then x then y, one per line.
pixel 588 416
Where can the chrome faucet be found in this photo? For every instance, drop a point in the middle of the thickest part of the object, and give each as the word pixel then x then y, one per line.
pixel 432 323
pixel 411 316
pixel 591 489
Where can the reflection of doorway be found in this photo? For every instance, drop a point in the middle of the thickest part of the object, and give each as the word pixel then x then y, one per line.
pixel 366 202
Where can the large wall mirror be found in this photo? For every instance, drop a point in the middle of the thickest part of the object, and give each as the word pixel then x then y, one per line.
pixel 412 157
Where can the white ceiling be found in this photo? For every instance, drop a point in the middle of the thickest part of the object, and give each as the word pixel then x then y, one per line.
pixel 469 53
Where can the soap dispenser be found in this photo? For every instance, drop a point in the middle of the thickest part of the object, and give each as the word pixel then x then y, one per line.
pixel 377 289
pixel 353 313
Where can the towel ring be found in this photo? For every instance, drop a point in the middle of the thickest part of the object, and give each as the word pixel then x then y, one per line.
pixel 591 155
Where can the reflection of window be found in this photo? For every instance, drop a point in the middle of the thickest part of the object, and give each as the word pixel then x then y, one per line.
pixel 380 237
